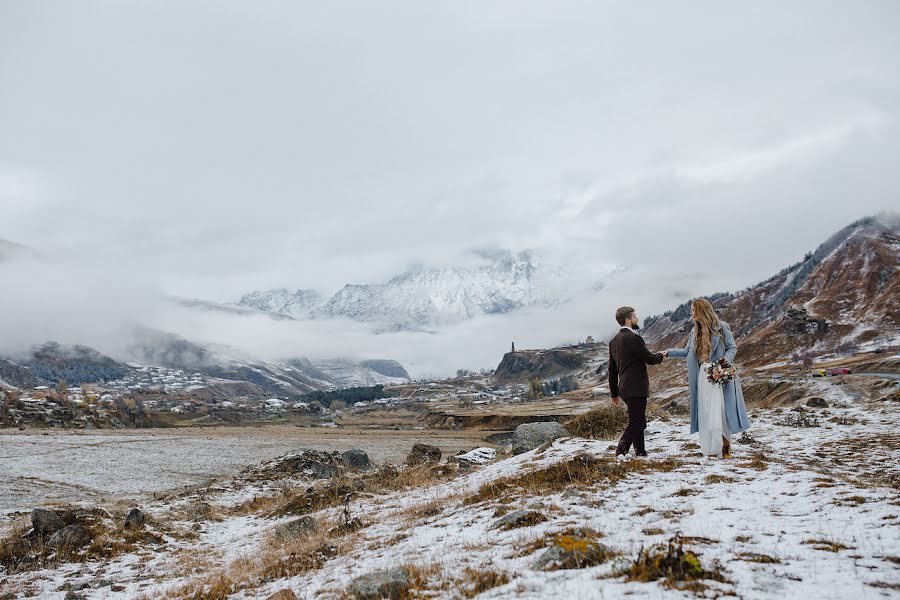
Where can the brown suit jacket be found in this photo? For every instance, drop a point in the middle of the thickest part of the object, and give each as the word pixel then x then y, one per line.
pixel 628 360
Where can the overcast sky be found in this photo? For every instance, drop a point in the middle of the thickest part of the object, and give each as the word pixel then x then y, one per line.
pixel 211 148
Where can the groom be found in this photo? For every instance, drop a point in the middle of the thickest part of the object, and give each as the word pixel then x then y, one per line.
pixel 628 360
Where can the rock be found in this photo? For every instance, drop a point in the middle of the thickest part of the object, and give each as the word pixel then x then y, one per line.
pixel 70 595
pixel 70 537
pixel 117 588
pixel 46 522
pixel 201 512
pixel 473 458
pixel 357 459
pixel 390 583
pixel 817 403
pixel 296 528
pixel 572 552
pixel 529 436
pixel 520 518
pixel 284 594
pixel 135 519
pixel 422 454
pixel 312 463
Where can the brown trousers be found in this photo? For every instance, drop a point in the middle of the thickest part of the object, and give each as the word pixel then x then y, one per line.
pixel 634 431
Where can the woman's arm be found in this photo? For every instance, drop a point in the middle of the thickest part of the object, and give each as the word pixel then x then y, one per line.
pixel 681 352
pixel 730 346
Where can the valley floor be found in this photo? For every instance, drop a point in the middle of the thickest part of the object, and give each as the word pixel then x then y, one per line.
pixel 808 507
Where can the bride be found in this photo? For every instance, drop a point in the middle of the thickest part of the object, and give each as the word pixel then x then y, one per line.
pixel 717 411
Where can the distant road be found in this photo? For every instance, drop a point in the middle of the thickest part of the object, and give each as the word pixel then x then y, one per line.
pixel 894 376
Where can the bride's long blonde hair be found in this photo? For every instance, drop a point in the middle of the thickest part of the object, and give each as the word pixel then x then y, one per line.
pixel 706 325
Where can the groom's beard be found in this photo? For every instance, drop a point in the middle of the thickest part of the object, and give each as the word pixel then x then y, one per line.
pixel 635 327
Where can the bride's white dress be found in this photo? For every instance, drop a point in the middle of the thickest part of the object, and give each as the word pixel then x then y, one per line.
pixel 711 414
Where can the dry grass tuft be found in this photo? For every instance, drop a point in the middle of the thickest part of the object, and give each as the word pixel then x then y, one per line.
pixel 757 461
pixel 827 545
pixel 674 565
pixel 477 581
pixel 713 478
pixel 581 470
pixel 753 557
pixel 685 492
pixel 602 423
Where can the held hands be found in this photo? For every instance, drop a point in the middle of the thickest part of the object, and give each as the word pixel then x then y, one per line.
pixel 616 400
pixel 665 353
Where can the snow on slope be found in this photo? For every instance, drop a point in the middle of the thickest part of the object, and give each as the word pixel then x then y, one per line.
pixel 814 516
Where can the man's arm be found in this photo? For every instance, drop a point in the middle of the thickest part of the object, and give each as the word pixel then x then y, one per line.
pixel 613 376
pixel 644 354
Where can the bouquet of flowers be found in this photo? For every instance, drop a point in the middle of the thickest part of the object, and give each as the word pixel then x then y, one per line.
pixel 720 372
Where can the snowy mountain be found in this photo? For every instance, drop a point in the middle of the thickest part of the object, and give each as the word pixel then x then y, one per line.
pixel 281 301
pixel 844 296
pixel 424 296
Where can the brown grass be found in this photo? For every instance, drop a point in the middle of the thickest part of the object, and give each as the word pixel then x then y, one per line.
pixel 674 565
pixel 581 470
pixel 477 581
pixel 827 545
pixel 753 557
pixel 713 478
pixel 757 461
pixel 603 423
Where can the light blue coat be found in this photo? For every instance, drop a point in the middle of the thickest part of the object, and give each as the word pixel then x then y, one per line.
pixel 722 346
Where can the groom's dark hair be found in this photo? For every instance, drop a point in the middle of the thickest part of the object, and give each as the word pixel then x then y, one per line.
pixel 623 313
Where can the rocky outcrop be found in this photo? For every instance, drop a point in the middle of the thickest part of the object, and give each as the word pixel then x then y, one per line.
pixel 527 364
pixel 531 435
pixel 386 367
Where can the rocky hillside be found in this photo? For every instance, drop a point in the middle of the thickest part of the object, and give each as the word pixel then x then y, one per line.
pixel 842 298
pixel 579 361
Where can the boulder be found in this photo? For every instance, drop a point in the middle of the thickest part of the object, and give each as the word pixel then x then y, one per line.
pixel 572 552
pixel 135 519
pixel 817 403
pixel 70 537
pixel 390 583
pixel 357 459
pixel 423 454
pixel 296 528
pixel 529 436
pixel 520 518
pixel 46 522
pixel 478 456
pixel 316 464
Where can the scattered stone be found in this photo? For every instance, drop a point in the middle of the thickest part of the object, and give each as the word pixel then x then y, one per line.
pixel 284 594
pixel 390 583
pixel 473 458
pixel 117 588
pixel 817 403
pixel 422 454
pixel 46 522
pixel 201 512
pixel 531 435
pixel 520 518
pixel 70 595
pixel 296 528
pixel 357 459
pixel 573 552
pixel 70 537
pixel 135 519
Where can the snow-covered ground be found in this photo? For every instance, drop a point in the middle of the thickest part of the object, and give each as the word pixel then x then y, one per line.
pixel 797 513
